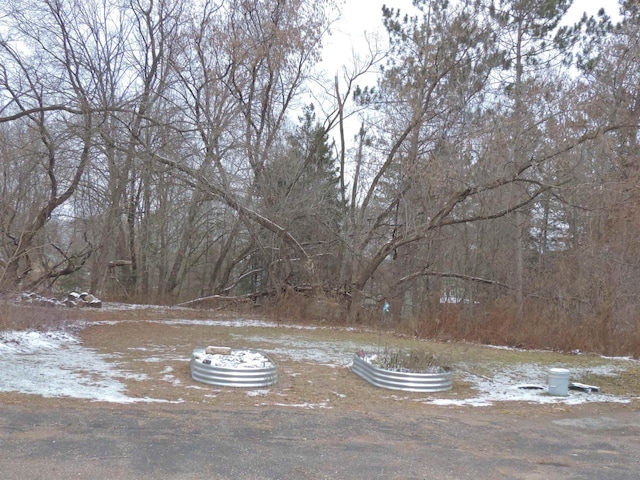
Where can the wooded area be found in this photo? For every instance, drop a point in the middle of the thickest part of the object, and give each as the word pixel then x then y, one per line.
pixel 165 150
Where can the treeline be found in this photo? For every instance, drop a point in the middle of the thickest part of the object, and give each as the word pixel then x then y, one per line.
pixel 164 150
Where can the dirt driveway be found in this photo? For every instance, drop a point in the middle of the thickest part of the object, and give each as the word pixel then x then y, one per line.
pixel 319 422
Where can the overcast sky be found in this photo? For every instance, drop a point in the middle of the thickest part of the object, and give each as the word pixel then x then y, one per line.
pixel 363 18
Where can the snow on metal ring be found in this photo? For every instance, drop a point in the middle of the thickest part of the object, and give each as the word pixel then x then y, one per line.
pixel 242 368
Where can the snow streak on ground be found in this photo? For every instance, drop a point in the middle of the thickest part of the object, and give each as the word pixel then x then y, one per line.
pixel 55 364
pixel 337 353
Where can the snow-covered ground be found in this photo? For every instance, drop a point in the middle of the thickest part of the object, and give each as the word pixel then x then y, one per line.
pixel 56 364
pixel 515 382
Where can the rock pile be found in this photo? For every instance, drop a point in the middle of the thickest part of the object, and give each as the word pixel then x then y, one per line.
pixel 73 300
pixel 35 299
pixel 84 299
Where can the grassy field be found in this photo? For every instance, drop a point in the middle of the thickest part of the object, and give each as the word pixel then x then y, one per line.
pixel 153 346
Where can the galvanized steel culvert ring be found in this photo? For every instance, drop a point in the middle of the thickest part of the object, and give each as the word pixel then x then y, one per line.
pixel 406 381
pixel 233 377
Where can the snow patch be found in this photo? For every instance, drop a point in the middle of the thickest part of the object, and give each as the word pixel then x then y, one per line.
pixel 167 376
pixel 334 353
pixel 310 406
pixel 257 393
pixel 505 385
pixel 237 359
pixel 55 364
pixel 235 323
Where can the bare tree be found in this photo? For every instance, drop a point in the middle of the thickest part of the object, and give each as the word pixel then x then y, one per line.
pixel 240 79
pixel 45 86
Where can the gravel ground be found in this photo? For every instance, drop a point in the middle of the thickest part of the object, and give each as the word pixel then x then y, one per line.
pixel 63 438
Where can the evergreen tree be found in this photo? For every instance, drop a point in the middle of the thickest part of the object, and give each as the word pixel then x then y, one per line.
pixel 300 189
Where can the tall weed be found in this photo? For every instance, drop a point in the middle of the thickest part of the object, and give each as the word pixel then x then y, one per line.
pixel 19 317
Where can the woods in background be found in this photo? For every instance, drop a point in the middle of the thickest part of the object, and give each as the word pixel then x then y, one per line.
pixel 163 150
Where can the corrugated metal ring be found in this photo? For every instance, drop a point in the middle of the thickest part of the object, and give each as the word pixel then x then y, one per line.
pixel 406 381
pixel 233 377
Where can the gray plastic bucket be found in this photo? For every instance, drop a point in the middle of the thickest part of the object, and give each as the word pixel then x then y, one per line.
pixel 559 382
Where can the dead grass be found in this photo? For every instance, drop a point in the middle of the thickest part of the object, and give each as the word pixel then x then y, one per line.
pixel 543 327
pixel 17 317
pixel 135 340
pixel 133 343
pixel 540 328
pixel 412 360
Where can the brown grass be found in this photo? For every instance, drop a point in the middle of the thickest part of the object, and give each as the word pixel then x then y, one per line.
pixel 17 317
pixel 539 328
pixel 542 326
